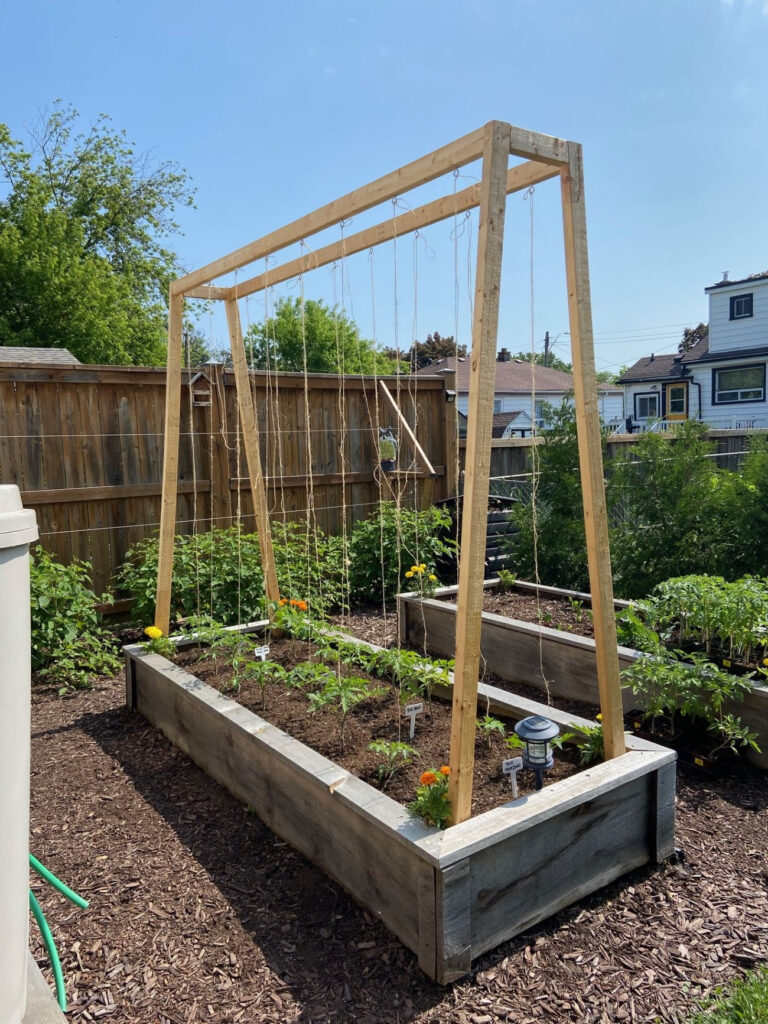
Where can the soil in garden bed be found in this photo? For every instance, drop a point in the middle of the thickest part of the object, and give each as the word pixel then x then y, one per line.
pixel 376 718
pixel 555 613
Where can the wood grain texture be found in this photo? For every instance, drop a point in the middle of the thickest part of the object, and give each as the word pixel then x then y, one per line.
pixel 476 478
pixel 252 453
pixel 170 465
pixel 590 453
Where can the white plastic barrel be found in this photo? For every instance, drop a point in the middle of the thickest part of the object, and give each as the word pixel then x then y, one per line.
pixel 18 528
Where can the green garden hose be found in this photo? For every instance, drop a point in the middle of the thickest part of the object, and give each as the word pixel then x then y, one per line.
pixel 50 946
pixel 45 931
pixel 49 876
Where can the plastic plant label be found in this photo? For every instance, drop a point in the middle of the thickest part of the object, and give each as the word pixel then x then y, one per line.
pixel 411 710
pixel 261 652
pixel 511 766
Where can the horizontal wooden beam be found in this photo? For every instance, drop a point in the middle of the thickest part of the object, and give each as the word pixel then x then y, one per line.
pixel 209 292
pixel 534 146
pixel 115 492
pixel 520 177
pixel 419 172
pixel 331 479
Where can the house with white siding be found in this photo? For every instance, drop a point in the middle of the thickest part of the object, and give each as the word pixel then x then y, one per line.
pixel 526 389
pixel 721 380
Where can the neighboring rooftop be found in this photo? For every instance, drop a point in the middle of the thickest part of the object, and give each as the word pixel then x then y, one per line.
pixel 43 356
pixel 512 376
pixel 666 367
pixel 725 283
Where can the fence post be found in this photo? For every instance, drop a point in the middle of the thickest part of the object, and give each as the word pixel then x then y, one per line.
pixel 221 496
pixel 451 429
pixel 18 528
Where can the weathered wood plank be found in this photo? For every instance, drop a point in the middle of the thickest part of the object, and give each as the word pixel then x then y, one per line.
pixel 454 921
pixel 359 836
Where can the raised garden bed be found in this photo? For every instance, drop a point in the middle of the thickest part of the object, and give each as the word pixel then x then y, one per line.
pixel 551 660
pixel 451 895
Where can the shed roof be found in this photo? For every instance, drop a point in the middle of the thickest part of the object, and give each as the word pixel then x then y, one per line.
pixel 29 354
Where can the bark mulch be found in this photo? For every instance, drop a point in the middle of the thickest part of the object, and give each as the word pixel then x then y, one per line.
pixel 198 913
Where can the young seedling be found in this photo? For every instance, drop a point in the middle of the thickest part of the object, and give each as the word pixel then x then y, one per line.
pixel 344 693
pixel 262 673
pixel 309 675
pixel 488 725
pixel 396 755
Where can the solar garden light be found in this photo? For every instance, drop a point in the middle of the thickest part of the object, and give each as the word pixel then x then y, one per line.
pixel 537 733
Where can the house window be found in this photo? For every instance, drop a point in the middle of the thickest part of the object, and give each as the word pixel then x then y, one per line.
pixel 741 384
pixel 647 406
pixel 741 306
pixel 540 413
pixel 497 405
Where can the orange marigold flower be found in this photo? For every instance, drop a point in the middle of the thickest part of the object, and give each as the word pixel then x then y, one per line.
pixel 282 601
pixel 445 770
pixel 428 779
pixel 301 605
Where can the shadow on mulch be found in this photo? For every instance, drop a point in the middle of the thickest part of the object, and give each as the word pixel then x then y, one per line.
pixel 328 951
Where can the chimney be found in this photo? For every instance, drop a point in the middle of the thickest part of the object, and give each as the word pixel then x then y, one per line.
pixel 725 275
pixel 652 358
pixel 503 355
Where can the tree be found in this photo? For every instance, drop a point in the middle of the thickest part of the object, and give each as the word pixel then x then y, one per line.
pixel 422 353
pixel 327 338
pixel 552 361
pixel 83 223
pixel 692 336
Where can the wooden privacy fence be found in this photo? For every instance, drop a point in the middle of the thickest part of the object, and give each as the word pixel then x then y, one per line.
pixel 512 457
pixel 84 444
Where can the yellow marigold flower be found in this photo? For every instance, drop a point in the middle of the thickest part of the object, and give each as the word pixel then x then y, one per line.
pixel 414 568
pixel 445 770
pixel 282 602
pixel 409 575
pixel 599 718
pixel 726 663
pixel 432 578
pixel 153 632
pixel 428 779
pixel 765 661
pixel 422 567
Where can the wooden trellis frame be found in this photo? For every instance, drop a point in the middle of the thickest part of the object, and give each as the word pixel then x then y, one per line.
pixel 545 158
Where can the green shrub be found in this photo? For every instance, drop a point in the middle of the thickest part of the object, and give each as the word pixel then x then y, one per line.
pixel 553 525
pixel 69 644
pixel 219 573
pixel 384 546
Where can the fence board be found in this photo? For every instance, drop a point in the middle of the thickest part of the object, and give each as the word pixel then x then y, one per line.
pixel 85 445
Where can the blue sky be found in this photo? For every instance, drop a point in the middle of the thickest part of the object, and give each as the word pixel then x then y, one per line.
pixel 275 109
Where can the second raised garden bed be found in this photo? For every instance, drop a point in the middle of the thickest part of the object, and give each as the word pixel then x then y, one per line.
pixel 448 895
pixel 549 659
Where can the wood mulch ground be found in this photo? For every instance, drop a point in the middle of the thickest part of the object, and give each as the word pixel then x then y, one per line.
pixel 198 913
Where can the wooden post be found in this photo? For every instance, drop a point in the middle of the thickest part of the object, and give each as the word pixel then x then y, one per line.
pixel 252 456
pixel 407 428
pixel 451 430
pixel 170 464
pixel 590 454
pixel 478 460
pixel 221 495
